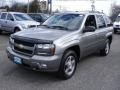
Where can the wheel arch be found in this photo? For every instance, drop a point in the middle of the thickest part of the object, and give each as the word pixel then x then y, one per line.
pixel 16 27
pixel 76 49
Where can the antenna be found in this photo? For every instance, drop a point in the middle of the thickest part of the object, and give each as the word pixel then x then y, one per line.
pixel 93 5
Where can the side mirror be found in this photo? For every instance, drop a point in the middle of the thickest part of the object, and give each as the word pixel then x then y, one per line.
pixel 89 29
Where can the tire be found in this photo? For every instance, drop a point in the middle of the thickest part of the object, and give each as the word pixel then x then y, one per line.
pixel 68 65
pixel 115 31
pixel 106 50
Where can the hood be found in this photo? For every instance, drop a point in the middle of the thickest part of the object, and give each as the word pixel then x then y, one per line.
pixel 42 33
pixel 28 23
pixel 116 23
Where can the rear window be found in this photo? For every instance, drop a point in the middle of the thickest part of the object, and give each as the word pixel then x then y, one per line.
pixel 100 21
pixel 108 21
pixel 3 16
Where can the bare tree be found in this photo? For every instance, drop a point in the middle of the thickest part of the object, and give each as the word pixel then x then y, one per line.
pixel 115 10
pixel 5 7
pixel 34 6
pixel 18 7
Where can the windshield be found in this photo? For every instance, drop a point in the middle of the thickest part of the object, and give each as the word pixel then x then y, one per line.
pixel 36 17
pixel 39 17
pixel 118 19
pixel 45 16
pixel 64 21
pixel 22 17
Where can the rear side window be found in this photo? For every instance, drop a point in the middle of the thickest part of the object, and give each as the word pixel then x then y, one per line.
pixel 108 21
pixel 100 21
pixel 3 16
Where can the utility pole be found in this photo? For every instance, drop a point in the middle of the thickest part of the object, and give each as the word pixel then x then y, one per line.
pixel 39 5
pixel 12 2
pixel 93 5
pixel 2 3
pixel 50 6
pixel 28 6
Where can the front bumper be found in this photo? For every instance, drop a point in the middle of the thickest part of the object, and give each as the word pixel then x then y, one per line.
pixel 42 63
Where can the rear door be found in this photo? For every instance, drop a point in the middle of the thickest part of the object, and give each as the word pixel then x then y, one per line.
pixel 3 21
pixel 101 31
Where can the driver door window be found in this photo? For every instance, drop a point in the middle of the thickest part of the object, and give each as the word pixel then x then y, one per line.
pixel 90 21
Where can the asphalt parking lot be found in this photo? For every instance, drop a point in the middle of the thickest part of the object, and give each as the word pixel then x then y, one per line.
pixel 93 73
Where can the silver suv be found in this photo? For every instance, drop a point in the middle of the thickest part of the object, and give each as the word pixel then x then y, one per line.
pixel 16 21
pixel 61 42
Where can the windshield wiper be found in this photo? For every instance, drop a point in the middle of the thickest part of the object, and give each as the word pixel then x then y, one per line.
pixel 61 27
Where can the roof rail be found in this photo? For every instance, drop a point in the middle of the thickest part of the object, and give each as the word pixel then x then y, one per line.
pixel 95 12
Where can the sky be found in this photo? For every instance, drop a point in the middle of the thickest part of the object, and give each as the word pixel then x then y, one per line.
pixel 76 5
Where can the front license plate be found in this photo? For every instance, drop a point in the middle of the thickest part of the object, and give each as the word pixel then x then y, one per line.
pixel 17 60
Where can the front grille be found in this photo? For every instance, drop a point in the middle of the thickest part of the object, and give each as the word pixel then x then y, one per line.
pixel 23 47
pixel 24 43
pixel 23 50
pixel 117 25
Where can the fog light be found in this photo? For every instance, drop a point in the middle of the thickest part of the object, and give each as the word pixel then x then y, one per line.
pixel 40 66
pixel 43 66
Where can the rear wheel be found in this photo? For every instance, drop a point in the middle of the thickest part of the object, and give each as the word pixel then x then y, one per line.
pixel 68 65
pixel 106 50
pixel 115 31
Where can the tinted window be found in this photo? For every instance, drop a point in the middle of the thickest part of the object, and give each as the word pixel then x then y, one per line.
pixel 10 17
pixel 3 16
pixel 108 21
pixel 90 21
pixel 100 21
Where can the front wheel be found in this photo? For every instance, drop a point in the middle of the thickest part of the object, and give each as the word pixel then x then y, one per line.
pixel 106 50
pixel 68 65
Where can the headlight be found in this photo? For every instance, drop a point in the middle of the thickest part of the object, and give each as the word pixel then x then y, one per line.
pixel 24 26
pixel 45 49
pixel 11 40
